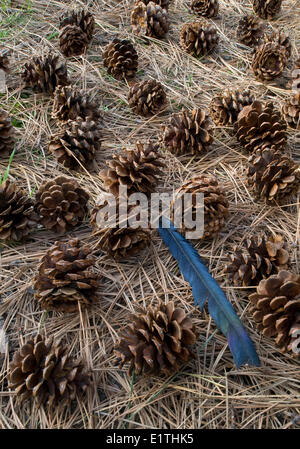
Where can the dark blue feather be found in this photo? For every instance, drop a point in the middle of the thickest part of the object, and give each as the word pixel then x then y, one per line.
pixel 205 287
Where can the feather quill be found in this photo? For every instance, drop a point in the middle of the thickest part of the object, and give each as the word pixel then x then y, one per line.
pixel 205 287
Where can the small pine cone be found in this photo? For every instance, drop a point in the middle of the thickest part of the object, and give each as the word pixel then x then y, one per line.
pixel 121 59
pixel 273 176
pixel 205 8
pixel 80 18
pixel 215 203
pixel 157 340
pixel 198 38
pixel 76 144
pixel 224 108
pixel 4 61
pixel 138 169
pixel 70 104
pixel 72 41
pixel 44 370
pixel 17 216
pixel 250 30
pixel 260 126
pixel 62 204
pixel 7 133
pixel 267 9
pixel 280 39
pixel 259 258
pixel 188 132
pixel 64 278
pixel 147 97
pixel 269 61
pixel 276 309
pixel 149 20
pixel 45 73
pixel 162 3
pixel 291 111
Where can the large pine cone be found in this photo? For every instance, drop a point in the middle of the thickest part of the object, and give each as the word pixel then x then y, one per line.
pixel 291 111
pixel 205 8
pixel 77 29
pixel 260 126
pixel 4 60
pixel 215 203
pixel 250 30
pixel 267 9
pixel 44 370
pixel 64 278
pixel 81 18
pixel 149 20
pixel 138 169
pixel 157 340
pixel 120 58
pixel 224 108
pixel 70 104
pixel 259 258
pixel 76 144
pixel 279 38
pixel 162 3
pixel 61 204
pixel 198 38
pixel 147 97
pixel 273 176
pixel 7 133
pixel 17 216
pixel 276 310
pixel 269 61
pixel 45 73
pixel 188 132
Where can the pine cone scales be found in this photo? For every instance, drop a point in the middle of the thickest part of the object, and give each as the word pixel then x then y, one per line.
pixel 259 258
pixel 61 203
pixel 45 73
pixel 162 3
pixel 260 126
pixel 267 9
pixel 70 104
pixel 291 111
pixel 280 39
pixel 224 109
pixel 76 144
pixel 17 217
pixel 157 340
pixel 250 30
pixel 138 169
pixel 7 133
pixel 272 175
pixel 147 97
pixel 121 59
pixel 77 30
pixel 80 18
pixel 269 61
pixel 149 20
pixel 64 278
pixel 188 132
pixel 42 369
pixel 205 8
pixel 276 309
pixel 198 38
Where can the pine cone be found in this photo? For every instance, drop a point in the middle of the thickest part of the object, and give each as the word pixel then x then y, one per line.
pixel 80 18
pixel 17 217
pixel 276 309
pixel 138 169
pixel 7 133
pixel 188 132
pixel 77 29
pixel 260 126
pixel 157 340
pixel 61 204
pixel 147 97
pixel 121 59
pixel 198 38
pixel 70 104
pixel 162 3
pixel 273 176
pixel 215 203
pixel 205 8
pixel 64 279
pixel 44 370
pixel 4 61
pixel 291 111
pixel 250 30
pixel 45 73
pixel 259 258
pixel 224 108
pixel 280 39
pixel 267 9
pixel 149 20
pixel 76 144
pixel 269 61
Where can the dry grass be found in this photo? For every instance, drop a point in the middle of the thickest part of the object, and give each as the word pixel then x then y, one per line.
pixel 208 392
